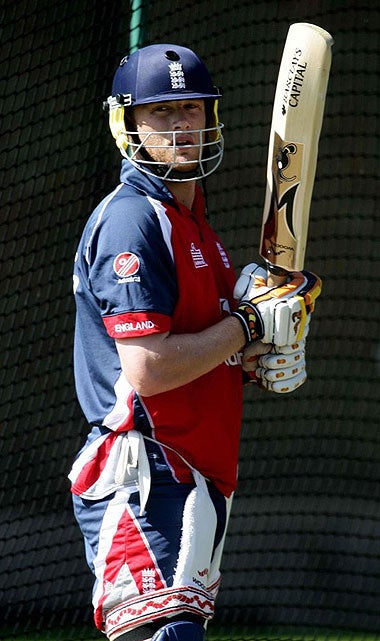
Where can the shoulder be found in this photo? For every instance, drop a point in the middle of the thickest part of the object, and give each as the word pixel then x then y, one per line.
pixel 123 210
pixel 126 218
pixel 124 201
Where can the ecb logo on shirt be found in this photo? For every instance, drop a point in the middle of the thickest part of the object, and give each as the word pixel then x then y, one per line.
pixel 126 265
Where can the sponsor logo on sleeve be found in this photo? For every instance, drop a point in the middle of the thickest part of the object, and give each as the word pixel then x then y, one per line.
pixel 126 266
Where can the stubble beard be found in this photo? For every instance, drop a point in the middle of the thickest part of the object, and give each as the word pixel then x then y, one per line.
pixel 185 158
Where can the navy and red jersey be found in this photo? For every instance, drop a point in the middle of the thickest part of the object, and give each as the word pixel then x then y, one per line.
pixel 146 264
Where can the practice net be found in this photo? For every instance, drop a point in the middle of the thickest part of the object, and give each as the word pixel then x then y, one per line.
pixel 304 541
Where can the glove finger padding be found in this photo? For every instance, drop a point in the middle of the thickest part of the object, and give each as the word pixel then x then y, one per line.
pixel 277 315
pixel 252 275
pixel 282 371
pixel 282 387
pixel 285 310
pixel 282 362
pixel 250 360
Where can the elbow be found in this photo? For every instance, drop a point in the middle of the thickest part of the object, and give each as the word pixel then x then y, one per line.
pixel 144 364
pixel 147 390
pixel 145 385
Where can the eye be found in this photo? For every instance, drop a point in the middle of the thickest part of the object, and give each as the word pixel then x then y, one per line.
pixel 193 105
pixel 160 109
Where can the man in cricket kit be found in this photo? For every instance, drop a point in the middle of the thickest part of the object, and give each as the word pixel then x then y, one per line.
pixel 163 334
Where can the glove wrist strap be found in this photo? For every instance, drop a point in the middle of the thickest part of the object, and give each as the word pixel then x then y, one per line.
pixel 250 320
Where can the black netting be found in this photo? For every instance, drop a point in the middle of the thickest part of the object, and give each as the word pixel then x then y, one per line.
pixel 304 542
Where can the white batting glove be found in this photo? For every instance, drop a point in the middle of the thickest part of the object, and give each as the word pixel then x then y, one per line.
pixel 277 315
pixel 282 370
pixel 252 275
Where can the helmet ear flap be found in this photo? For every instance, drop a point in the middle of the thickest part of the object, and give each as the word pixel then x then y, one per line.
pixel 117 126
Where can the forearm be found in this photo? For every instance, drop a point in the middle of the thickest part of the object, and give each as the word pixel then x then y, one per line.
pixel 159 363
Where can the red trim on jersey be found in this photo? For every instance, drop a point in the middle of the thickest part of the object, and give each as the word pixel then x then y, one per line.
pixel 131 324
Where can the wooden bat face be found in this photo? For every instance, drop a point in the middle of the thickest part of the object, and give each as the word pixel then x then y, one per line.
pixel 293 145
pixel 279 241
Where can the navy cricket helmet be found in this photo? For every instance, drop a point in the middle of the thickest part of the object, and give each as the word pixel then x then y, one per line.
pixel 158 73
pixel 162 72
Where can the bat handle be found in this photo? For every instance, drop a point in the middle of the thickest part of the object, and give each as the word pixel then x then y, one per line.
pixel 276 276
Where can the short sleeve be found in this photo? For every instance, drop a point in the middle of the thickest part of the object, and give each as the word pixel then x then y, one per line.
pixel 131 271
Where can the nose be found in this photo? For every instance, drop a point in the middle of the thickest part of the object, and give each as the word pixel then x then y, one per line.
pixel 180 118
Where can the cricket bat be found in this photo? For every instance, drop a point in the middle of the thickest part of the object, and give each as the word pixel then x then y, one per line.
pixel 293 148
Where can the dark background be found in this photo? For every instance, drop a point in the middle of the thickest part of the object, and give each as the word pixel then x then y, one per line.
pixel 303 547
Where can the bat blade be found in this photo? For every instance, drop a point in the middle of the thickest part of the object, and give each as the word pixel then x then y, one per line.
pixel 293 146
